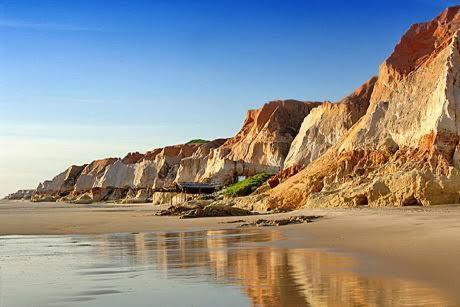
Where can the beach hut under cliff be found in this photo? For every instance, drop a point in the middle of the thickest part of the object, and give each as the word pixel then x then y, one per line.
pixel 197 187
pixel 181 192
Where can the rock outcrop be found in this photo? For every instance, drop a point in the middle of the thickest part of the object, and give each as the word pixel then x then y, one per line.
pixel 21 195
pixel 129 180
pixel 202 208
pixel 393 142
pixel 92 173
pixel 138 174
pixel 60 185
pixel 193 168
pixel 168 160
pixel 117 174
pixel 268 132
pixel 404 150
pixel 327 124
pixel 261 145
pixel 283 175
pixel 282 222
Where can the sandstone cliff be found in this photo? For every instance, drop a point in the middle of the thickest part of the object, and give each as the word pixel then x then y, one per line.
pixel 168 161
pixel 21 195
pixel 268 132
pixel 393 142
pixel 137 175
pixel 404 150
pixel 193 168
pixel 327 124
pixel 92 173
pixel 261 145
pixel 129 179
pixel 60 185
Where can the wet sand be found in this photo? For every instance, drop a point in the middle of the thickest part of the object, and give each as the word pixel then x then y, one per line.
pixel 422 243
pixel 234 267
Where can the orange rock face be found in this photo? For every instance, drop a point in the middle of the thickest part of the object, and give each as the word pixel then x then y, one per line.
pixel 324 126
pixel 422 41
pixel 132 157
pixel 393 142
pixel 404 150
pixel 98 166
pixel 284 175
pixel 261 145
pixel 268 132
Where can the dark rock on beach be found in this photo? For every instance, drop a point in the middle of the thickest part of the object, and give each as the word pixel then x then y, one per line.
pixel 282 222
pixel 194 209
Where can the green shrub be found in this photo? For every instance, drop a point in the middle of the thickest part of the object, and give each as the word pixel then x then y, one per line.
pixel 246 186
pixel 197 141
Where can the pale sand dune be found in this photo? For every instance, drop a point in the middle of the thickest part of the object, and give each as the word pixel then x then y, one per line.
pixel 423 243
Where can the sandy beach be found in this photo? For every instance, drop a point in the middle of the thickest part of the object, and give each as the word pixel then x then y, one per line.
pixel 420 243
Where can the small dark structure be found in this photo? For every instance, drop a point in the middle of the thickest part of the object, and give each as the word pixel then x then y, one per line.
pixel 197 187
pixel 181 192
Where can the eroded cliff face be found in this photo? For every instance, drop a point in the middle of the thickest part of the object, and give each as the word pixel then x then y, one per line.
pixel 61 184
pixel 139 175
pixel 92 173
pixel 191 169
pixel 404 150
pixel 21 195
pixel 268 132
pixel 393 142
pixel 168 162
pixel 327 124
pixel 261 145
pixel 129 179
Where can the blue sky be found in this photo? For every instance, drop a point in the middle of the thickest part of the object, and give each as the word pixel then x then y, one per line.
pixel 81 80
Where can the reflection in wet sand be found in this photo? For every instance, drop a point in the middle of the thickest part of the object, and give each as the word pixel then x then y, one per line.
pixel 206 268
pixel 269 276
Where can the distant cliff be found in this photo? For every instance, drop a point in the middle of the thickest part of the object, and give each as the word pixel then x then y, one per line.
pixel 261 145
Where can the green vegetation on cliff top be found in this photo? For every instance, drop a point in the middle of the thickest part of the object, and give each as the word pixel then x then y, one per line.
pixel 246 186
pixel 197 141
